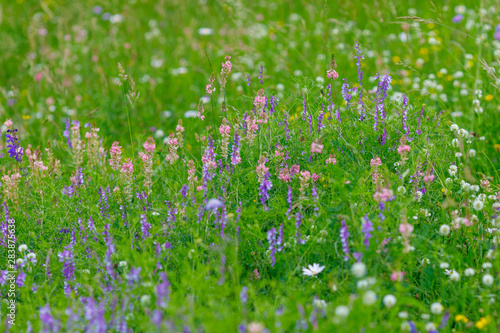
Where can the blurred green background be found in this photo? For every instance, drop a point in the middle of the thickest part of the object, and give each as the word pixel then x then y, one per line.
pixel 58 59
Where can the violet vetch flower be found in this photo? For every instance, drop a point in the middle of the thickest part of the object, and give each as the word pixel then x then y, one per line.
pixel 134 276
pixel 249 80
pixel 21 277
pixel 344 235
pixel 289 201
pixel 163 291
pixel 320 118
pixel 68 190
pixel 145 226
pixel 367 229
pixel 68 271
pixel 265 186
pixel 419 121
pixel 184 190
pixel 406 129
pixel 244 295
pixel 235 156
pixel 359 57
pixel 444 319
pixel 261 74
pixel 346 93
pixel 271 239
pixel 14 149
pixel 104 202
pixel 48 322
pixel 67 134
pixel 213 204
pixel 298 222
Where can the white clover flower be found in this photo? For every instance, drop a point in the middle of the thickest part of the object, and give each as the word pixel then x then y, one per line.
pixel 448 181
pixel 477 205
pixel 425 316
pixel 488 279
pixel 469 272
pixel 454 276
pixel 319 303
pixel 403 314
pixel 430 326
pixel 369 297
pixel 425 261
pixel 452 170
pixel 122 264
pixel 362 284
pixel 454 128
pixel 444 265
pixel 454 143
pixel 205 31
pixel 86 271
pixel 490 254
pixel 487 265
pixel 436 308
pixel 463 132
pixel 145 300
pixel 342 311
pixel 23 247
pixel 389 300
pixel 402 189
pixel 19 261
pixel 472 153
pixel 458 155
pixel 31 255
pixel 358 269
pixel 444 230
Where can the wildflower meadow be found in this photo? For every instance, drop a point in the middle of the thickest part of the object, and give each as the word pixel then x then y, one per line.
pixel 250 166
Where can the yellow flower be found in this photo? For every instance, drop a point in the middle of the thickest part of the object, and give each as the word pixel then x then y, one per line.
pixel 482 323
pixel 497 147
pixel 26 116
pixel 188 146
pixel 470 63
pixel 449 77
pixel 430 25
pixel 424 51
pixel 396 59
pixel 439 74
pixel 488 97
pixel 459 318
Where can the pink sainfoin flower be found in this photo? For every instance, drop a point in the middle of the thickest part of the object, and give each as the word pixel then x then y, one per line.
pixel 147 162
pixel 332 73
pixel 406 229
pixel 115 153
pixel 383 195
pixel 403 150
pixel 93 146
pixel 295 168
pixel 173 145
pixel 278 152
pixel 36 164
pixel 211 87
pixel 261 168
pixel 127 171
pixel 305 177
pixel 225 131
pixel 259 101
pixel 192 178
pixel 38 77
pixel 224 73
pixel 315 177
pixel 201 110
pixel 10 186
pixel 8 123
pixel 375 163
pixel 77 144
pixel 316 147
pixel 252 128
pixel 331 160
pixel 397 275
pixel 284 175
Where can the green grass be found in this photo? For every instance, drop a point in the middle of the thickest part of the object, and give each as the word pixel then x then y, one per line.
pixel 59 61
